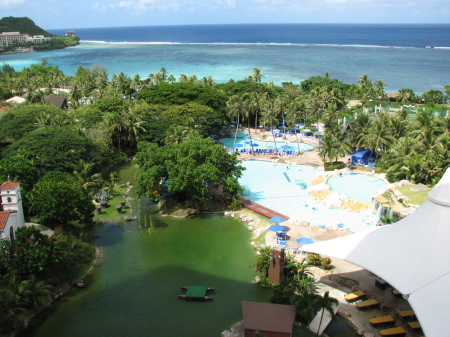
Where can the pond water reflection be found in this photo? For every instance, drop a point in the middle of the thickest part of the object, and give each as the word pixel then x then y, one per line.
pixel 133 292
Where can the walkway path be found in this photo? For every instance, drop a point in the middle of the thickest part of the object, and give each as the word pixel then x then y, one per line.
pixel 261 209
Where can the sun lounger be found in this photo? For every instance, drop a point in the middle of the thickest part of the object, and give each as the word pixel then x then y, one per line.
pixel 406 313
pixel 382 319
pixel 393 331
pixel 366 304
pixel 414 325
pixel 354 296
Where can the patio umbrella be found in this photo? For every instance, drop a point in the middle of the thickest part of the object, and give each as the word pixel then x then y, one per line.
pixel 341 225
pixel 300 124
pixel 304 241
pixel 277 228
pixel 318 133
pixel 277 219
pixel 254 145
pixel 286 147
pixel 306 130
pixel 295 128
pixel 238 145
pixel 275 130
pixel 281 127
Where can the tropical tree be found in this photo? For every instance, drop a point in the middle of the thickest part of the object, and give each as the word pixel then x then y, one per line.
pixel 257 75
pixel 35 293
pixel 83 173
pixel 189 169
pixel 58 198
pixel 326 303
pixel 236 108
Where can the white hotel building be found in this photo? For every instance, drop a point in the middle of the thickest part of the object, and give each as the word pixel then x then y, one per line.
pixel 8 38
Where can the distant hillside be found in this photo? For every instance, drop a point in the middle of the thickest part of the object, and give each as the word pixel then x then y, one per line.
pixel 22 25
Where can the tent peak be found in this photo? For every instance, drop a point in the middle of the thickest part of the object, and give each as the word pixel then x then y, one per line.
pixel 440 194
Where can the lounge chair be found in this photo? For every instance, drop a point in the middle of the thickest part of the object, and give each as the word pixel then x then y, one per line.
pixel 355 296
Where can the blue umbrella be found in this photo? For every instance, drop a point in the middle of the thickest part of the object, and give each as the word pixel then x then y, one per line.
pixel 318 133
pixel 322 226
pixel 300 124
pixel 306 130
pixel 238 145
pixel 341 225
pixel 277 228
pixel 295 128
pixel 254 145
pixel 304 241
pixel 275 130
pixel 233 122
pixel 277 219
pixel 281 127
pixel 286 147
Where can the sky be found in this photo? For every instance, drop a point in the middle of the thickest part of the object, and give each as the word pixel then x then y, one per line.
pixel 66 14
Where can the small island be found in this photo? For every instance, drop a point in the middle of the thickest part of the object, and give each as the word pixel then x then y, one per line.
pixel 22 35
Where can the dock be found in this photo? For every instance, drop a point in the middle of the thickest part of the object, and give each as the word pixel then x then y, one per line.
pixel 260 209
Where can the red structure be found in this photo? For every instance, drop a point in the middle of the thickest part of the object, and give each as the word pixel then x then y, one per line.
pixel 261 209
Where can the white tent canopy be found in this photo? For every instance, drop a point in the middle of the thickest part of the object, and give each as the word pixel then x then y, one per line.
pixel 411 255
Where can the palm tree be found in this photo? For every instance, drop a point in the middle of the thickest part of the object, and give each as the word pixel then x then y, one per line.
pixel 236 108
pixel 326 303
pixel 257 76
pixel 83 173
pixel 35 293
pixel 132 126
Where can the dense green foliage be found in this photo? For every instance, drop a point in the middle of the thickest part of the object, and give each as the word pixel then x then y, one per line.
pixel 59 199
pixel 22 25
pixel 29 268
pixel 186 171
pixel 182 93
pixel 56 148
pixel 13 125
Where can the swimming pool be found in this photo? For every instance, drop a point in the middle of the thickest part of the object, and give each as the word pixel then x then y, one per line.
pixel 244 142
pixel 282 189
pixel 356 186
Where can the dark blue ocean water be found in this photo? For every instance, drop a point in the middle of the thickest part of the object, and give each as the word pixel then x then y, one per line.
pixel 411 35
pixel 398 54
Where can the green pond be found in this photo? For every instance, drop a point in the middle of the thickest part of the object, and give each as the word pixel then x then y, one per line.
pixel 133 292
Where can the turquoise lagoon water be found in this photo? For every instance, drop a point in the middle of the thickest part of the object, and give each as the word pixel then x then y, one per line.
pixel 283 188
pixel 356 186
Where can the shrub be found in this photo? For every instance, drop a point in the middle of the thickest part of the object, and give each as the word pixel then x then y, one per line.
pixel 314 259
pixel 326 263
pixel 235 205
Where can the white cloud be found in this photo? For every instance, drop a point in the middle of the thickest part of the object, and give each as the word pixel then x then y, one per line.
pixel 7 4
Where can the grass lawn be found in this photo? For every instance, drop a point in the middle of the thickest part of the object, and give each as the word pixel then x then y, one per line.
pixel 416 197
pixel 127 173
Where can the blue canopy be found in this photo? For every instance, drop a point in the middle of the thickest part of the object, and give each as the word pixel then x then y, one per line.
pixel 304 241
pixel 277 228
pixel 362 157
pixel 277 219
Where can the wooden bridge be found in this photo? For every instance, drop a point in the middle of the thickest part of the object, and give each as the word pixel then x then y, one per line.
pixel 261 209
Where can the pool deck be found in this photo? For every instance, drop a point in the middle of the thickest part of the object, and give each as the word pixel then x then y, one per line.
pixel 261 209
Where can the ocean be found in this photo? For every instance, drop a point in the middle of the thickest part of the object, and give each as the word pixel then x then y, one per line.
pixel 414 56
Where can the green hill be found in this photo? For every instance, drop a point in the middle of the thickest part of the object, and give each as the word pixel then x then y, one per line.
pixel 22 25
